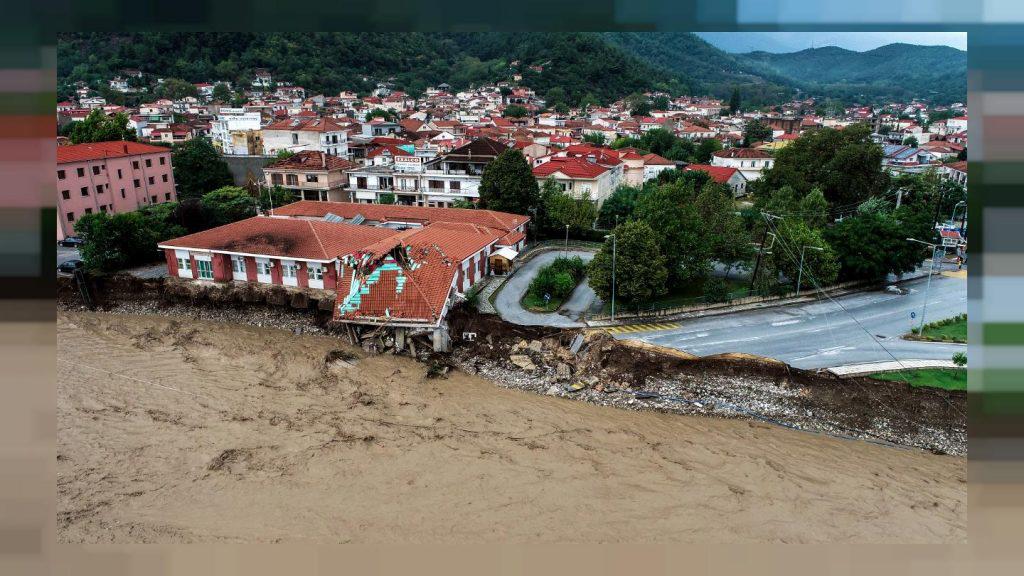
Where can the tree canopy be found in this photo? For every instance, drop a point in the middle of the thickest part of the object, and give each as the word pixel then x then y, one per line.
pixel 198 168
pixel 640 272
pixel 508 185
pixel 98 127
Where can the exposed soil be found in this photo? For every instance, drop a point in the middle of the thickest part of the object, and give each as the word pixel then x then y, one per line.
pixel 178 429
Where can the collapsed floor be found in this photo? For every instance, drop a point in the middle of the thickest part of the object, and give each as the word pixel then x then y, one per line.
pixel 596 368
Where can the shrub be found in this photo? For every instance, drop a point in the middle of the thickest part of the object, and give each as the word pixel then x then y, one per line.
pixel 715 290
pixel 960 359
pixel 559 278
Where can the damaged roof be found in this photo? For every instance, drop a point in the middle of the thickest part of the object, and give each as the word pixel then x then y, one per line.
pixel 399 213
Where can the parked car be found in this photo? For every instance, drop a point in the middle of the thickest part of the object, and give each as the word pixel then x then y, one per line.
pixel 894 289
pixel 69 266
pixel 70 242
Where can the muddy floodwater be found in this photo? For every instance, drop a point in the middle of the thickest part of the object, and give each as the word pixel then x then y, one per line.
pixel 178 430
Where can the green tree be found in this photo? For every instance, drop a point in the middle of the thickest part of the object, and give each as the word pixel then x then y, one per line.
pixel 595 138
pixel 820 266
pixel 555 96
pixel 275 197
pixel 508 185
pixel 705 149
pixel 386 198
pixel 640 272
pixel 660 102
pixel 721 226
pixel 463 203
pixel 514 111
pixel 910 141
pixel 123 240
pixel 618 207
pixel 734 101
pixel 198 168
pixel 659 141
pixel 588 101
pixel 389 115
pixel 221 92
pixel 176 89
pixel 669 211
pixel 562 210
pixel 228 204
pixel 98 127
pixel 638 104
pixel 871 245
pixel 845 164
pixel 756 131
pixel 814 209
pixel 284 154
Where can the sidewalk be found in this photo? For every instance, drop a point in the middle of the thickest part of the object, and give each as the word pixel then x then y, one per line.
pixel 888 366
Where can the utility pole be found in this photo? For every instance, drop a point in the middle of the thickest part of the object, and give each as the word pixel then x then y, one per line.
pixel 757 262
pixel 800 273
pixel 899 198
pixel 566 240
pixel 928 284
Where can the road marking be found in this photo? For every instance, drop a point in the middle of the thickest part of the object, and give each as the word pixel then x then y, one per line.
pixel 633 328
pixel 785 322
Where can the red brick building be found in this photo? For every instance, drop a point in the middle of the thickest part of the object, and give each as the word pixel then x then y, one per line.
pixel 110 177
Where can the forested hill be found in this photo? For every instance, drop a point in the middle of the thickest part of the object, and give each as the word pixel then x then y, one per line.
pixel 894 71
pixel 579 63
pixel 605 66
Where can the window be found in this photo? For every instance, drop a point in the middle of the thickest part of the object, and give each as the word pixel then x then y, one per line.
pixel 119 173
pixel 135 164
pixel 152 180
pixel 292 179
pixel 295 138
pixel 149 163
pixel 263 268
pixel 276 179
pixel 153 199
pixel 122 192
pixel 288 270
pixel 238 264
pixel 167 196
pixel 163 160
pixel 85 190
pixel 137 183
pixel 60 174
pixel 454 185
pixel 205 269
pixel 435 184
pixel 66 194
pixel 164 177
pixel 103 208
pixel 71 216
pixel 95 170
pixel 88 210
pixel 99 189
pixel 311 178
pixel 81 172
pixel 314 271
pixel 184 263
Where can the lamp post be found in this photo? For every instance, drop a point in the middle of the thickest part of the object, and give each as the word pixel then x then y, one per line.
pixel 566 240
pixel 928 284
pixel 952 218
pixel 800 273
pixel 612 236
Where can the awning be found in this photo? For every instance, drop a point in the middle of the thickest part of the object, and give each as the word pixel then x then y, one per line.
pixel 506 253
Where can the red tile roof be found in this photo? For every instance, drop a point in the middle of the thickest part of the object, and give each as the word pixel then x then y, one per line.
pixel 101 150
pixel 306 125
pixel 400 213
pixel 654 159
pixel 741 153
pixel 312 160
pixel 283 238
pixel 571 167
pixel 720 174
pixel 960 166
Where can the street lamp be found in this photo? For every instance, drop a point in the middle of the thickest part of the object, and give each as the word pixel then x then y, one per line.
pixel 800 274
pixel 952 218
pixel 566 240
pixel 612 236
pixel 931 266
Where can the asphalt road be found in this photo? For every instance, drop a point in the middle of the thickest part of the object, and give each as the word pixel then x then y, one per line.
pixel 821 334
pixel 507 300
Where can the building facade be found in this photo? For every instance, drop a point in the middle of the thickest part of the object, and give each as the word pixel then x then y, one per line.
pixel 311 176
pixel 110 177
pixel 298 134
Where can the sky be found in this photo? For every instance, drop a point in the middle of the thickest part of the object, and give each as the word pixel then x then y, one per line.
pixel 859 41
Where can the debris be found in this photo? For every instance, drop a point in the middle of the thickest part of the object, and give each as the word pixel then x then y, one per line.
pixel 563 371
pixel 536 346
pixel 553 391
pixel 577 343
pixel 523 361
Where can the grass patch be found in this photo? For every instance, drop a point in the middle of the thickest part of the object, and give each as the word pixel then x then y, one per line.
pixel 948 330
pixel 536 304
pixel 945 378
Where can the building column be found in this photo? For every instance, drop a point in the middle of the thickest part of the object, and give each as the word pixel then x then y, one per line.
pixel 172 263
pixel 275 272
pixel 302 275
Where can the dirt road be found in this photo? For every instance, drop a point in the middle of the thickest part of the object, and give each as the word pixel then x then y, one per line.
pixel 185 431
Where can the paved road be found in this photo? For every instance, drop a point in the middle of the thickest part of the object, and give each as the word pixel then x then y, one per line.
pixel 820 334
pixel 507 301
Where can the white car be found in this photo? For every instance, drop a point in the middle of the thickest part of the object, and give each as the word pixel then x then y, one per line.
pixel 894 289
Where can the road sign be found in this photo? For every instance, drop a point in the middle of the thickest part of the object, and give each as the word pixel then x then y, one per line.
pixel 913 315
pixel 949 242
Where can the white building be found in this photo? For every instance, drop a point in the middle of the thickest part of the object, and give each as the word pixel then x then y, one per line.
pixel 232 130
pixel 750 161
pixel 297 134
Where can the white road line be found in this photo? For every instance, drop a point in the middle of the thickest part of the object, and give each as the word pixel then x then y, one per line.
pixel 785 322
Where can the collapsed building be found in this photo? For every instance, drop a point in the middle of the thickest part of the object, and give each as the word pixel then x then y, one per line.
pixel 393 271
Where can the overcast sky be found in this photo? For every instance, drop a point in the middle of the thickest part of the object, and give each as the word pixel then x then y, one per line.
pixel 860 41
